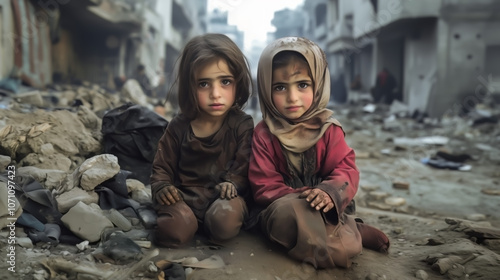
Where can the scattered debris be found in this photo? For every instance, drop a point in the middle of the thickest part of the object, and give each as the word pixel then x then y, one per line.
pixel 401 185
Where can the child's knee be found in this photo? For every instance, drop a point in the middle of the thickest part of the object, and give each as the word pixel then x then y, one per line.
pixel 224 218
pixel 176 226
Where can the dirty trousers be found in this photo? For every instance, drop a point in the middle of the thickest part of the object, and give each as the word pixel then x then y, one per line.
pixel 308 236
pixel 177 223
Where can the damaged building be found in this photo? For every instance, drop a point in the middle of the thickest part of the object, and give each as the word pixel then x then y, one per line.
pixel 443 54
pixel 45 42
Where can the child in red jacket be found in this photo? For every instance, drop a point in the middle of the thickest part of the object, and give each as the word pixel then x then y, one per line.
pixel 302 171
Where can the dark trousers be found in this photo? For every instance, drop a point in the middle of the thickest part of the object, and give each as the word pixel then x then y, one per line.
pixel 177 223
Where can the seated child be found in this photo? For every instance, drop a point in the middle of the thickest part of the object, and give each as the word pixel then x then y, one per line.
pixel 302 172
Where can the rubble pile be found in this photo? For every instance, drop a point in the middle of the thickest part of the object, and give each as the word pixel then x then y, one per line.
pixel 52 141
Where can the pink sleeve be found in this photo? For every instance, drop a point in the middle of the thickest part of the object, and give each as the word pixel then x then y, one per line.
pixel 337 165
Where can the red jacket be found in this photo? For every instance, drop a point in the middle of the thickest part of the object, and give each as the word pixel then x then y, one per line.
pixel 335 167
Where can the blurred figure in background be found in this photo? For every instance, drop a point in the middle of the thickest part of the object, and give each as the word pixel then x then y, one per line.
pixel 386 87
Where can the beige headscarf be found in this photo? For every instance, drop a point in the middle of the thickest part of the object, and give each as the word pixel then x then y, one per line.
pixel 303 133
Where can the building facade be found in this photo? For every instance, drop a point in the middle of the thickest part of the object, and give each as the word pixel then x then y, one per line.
pixel 46 42
pixel 444 54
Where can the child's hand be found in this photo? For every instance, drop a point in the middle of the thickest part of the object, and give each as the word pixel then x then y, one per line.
pixel 168 195
pixel 227 190
pixel 319 199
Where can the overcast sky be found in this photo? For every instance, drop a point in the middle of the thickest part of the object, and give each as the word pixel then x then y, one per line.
pixel 252 16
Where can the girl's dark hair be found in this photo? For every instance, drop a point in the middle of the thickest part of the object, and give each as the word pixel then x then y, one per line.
pixel 284 58
pixel 199 52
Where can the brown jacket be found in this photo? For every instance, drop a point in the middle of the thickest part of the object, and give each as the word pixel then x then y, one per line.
pixel 196 165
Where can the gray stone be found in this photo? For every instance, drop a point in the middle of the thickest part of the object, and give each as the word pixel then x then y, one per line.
pixel 67 200
pixel 141 196
pixel 4 213
pixel 133 184
pixel 476 217
pixel 33 97
pixel 378 195
pixel 41 275
pixel 369 188
pixel 4 162
pixel 132 91
pixel 47 149
pixel 86 222
pixel 492 244
pixel 96 170
pixel 395 201
pixel 118 219
pixel 50 178
pixel 420 274
pixel 54 161
pixel 379 205
pixel 24 242
pixel 89 119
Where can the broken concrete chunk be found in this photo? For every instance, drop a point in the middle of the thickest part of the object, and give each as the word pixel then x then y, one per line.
pixel 378 195
pixel 82 246
pixel 362 155
pixel 457 271
pixel 89 119
pixel 133 91
pixel 444 264
pixel 68 199
pixel 476 217
pixel 141 196
pixel 4 162
pixel 47 149
pixel 491 191
pixel 96 170
pixel 54 161
pixel 422 275
pixel 401 185
pixel 86 221
pixel 369 108
pixel 50 178
pixel 492 244
pixel 118 219
pixel 430 140
pixel 32 97
pixel 395 201
pixel 24 242
pixel 369 188
pixel 134 184
pixel 38 130
pixel 483 232
pixel 379 205
pixel 4 203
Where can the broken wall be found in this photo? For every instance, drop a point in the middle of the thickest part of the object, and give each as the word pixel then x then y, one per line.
pixel 463 65
pixel 420 66
pixel 26 39
pixel 6 39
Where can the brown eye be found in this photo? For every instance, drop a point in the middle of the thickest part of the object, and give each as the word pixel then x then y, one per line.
pixel 303 85
pixel 279 88
pixel 226 82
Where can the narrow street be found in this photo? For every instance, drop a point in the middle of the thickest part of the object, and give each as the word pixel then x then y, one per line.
pixel 87 88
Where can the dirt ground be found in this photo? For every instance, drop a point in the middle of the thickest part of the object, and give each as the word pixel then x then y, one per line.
pixel 418 229
pixel 423 237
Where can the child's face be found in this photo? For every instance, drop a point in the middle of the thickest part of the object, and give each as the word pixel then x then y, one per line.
pixel 292 90
pixel 216 89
